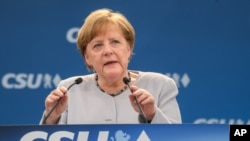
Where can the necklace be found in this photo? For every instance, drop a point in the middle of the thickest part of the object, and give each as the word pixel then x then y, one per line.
pixel 115 94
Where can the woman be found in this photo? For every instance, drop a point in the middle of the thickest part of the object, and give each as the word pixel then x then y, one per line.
pixel 106 42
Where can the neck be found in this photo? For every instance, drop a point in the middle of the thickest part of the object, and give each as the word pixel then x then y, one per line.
pixel 114 88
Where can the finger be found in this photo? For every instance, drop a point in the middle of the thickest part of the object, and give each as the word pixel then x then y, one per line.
pixel 52 98
pixel 133 102
pixel 146 100
pixel 133 88
pixel 63 89
pixel 140 94
pixel 55 95
pixel 60 92
pixel 143 97
pixel 63 102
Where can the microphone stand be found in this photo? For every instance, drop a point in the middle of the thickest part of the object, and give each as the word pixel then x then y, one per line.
pixel 142 115
pixel 77 81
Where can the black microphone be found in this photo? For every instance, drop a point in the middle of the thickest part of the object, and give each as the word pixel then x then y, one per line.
pixel 142 115
pixel 77 81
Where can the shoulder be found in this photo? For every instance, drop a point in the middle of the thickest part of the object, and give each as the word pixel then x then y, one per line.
pixel 154 76
pixel 156 83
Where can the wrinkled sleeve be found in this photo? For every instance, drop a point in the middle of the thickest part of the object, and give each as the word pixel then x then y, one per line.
pixel 167 110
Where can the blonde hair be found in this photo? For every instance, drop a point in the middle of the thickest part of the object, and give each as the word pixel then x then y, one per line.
pixel 95 24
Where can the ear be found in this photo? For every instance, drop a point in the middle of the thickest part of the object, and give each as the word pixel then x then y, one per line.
pixel 87 60
pixel 130 52
pixel 129 48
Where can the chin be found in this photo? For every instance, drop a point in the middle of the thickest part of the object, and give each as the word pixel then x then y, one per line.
pixel 113 71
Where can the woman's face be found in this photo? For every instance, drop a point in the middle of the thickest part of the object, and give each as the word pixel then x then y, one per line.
pixel 108 52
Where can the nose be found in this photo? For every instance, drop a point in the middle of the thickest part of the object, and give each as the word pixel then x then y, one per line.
pixel 107 50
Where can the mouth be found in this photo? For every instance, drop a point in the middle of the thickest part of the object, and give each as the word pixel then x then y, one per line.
pixel 110 62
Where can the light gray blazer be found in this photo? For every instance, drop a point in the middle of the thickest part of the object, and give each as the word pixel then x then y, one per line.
pixel 89 105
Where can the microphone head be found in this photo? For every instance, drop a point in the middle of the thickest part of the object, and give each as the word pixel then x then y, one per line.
pixel 126 80
pixel 78 80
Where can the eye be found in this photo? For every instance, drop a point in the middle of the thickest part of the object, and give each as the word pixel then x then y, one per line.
pixel 115 42
pixel 97 45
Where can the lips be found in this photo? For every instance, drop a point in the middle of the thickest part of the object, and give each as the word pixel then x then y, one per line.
pixel 110 62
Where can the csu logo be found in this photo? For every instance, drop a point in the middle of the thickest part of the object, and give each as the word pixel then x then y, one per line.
pixel 71 34
pixel 181 80
pixel 31 80
pixel 81 136
pixel 237 121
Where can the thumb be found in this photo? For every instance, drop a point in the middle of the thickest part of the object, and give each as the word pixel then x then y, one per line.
pixel 133 88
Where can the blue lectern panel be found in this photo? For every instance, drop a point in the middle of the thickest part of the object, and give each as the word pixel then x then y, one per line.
pixel 131 132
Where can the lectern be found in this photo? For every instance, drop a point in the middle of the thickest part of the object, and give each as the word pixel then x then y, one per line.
pixel 116 132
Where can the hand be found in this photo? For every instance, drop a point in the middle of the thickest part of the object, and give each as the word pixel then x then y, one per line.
pixel 51 100
pixel 145 99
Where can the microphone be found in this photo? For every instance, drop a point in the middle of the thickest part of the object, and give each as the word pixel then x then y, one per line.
pixel 142 116
pixel 77 81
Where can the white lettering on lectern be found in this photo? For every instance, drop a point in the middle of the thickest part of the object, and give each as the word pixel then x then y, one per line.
pixel 81 136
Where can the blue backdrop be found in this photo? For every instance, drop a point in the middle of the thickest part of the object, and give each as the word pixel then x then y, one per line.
pixel 204 45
